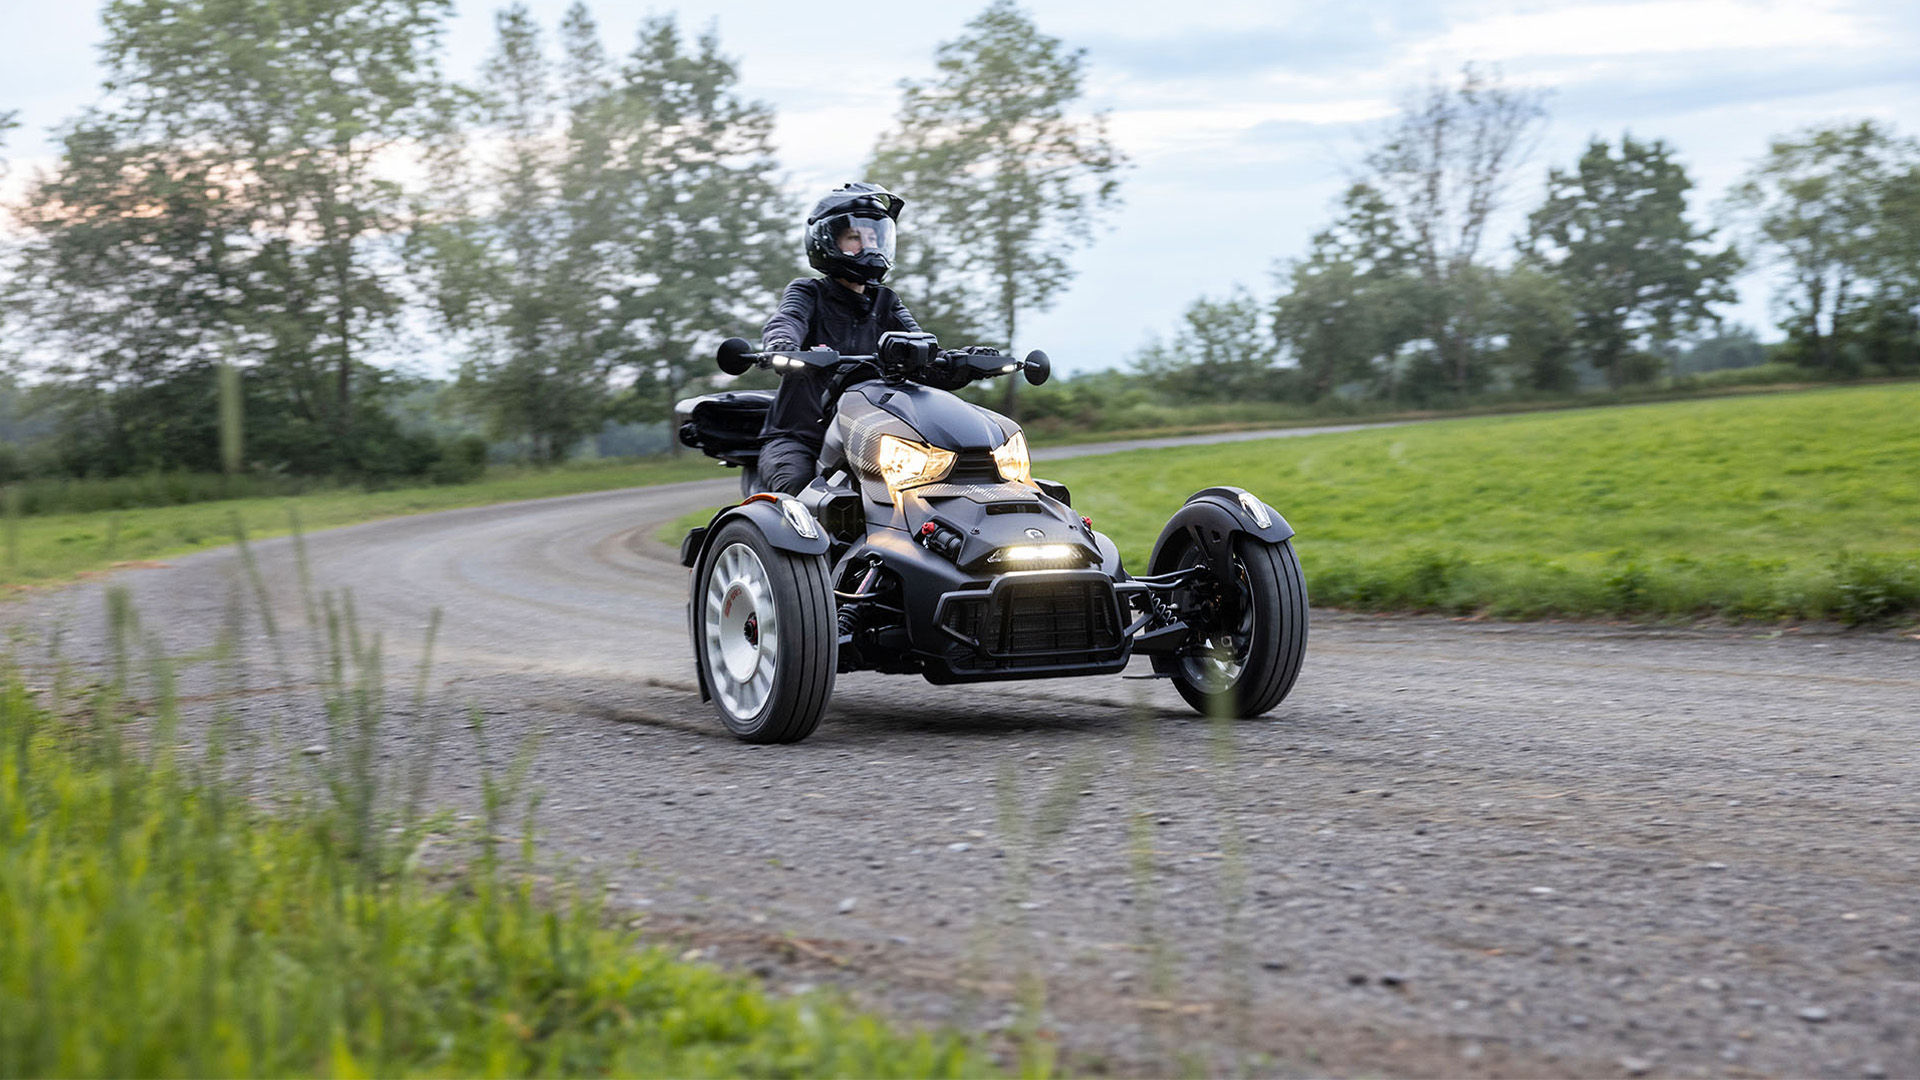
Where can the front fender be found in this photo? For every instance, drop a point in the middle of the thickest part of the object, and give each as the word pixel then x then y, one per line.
pixel 780 518
pixel 1212 517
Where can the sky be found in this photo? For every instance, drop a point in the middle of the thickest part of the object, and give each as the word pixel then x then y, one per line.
pixel 1243 119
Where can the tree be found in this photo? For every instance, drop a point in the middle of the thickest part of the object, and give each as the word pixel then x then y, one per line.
pixel 233 197
pixel 1443 167
pixel 1613 231
pixel 1828 202
pixel 1346 309
pixel 706 233
pixel 1889 331
pixel 1733 347
pixel 129 258
pixel 605 226
pixel 1223 354
pixel 503 252
pixel 1002 183
pixel 1537 313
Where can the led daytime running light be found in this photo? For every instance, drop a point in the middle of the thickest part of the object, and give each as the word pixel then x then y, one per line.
pixel 1036 553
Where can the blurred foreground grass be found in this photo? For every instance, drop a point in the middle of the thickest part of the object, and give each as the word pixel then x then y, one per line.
pixel 155 921
pixel 57 547
pixel 1802 505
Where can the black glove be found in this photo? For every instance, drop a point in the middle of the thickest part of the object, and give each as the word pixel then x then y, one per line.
pixel 946 372
pixel 981 350
pixel 780 345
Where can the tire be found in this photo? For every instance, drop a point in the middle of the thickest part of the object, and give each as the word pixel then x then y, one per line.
pixel 1258 659
pixel 770 663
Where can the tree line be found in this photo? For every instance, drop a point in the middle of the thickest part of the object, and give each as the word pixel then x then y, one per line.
pixel 270 204
pixel 1404 298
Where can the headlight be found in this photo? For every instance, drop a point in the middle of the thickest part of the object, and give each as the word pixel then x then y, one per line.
pixel 905 464
pixel 1011 460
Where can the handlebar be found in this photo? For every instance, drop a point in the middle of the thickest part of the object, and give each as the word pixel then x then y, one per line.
pixel 735 356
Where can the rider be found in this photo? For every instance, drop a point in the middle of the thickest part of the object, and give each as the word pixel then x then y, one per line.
pixel 849 240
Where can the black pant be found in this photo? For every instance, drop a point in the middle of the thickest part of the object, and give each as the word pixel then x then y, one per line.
pixel 787 465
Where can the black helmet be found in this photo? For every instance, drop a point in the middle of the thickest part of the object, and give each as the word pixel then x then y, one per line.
pixel 857 211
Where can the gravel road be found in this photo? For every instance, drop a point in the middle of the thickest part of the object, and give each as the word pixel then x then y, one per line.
pixel 1459 848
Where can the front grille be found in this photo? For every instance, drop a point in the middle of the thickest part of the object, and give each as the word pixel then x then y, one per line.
pixel 1031 618
pixel 974 465
pixel 963 616
pixel 1072 617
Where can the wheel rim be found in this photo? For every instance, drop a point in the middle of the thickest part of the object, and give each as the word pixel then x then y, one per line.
pixel 1224 650
pixel 743 641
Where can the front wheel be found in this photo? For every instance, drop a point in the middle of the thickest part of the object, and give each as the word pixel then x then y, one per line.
pixel 1249 639
pixel 765 636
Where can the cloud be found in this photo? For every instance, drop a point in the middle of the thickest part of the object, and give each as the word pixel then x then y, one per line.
pixel 1618 94
pixel 1666 26
pixel 1247 123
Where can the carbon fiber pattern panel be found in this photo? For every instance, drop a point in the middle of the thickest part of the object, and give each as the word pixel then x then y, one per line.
pixel 862 438
pixel 982 493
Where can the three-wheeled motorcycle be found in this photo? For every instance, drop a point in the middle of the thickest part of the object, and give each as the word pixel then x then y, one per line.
pixel 927 547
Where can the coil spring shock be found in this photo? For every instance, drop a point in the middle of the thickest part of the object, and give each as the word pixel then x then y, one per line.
pixel 1161 610
pixel 848 617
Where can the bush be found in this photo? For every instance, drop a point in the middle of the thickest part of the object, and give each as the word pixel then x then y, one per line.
pixel 1874 590
pixel 461 461
pixel 1770 374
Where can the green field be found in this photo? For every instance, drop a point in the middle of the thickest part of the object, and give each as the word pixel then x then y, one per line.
pixel 46 549
pixel 1803 505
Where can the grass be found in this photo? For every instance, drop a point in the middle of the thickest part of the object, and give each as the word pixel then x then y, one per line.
pixel 53 548
pixel 1138 419
pixel 1801 505
pixel 156 921
pixel 57 495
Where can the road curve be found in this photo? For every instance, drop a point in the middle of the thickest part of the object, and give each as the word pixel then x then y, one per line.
pixel 1460 847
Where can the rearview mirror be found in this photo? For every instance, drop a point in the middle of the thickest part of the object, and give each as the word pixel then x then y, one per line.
pixel 1037 367
pixel 735 356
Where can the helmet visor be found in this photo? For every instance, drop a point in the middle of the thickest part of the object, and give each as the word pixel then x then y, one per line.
pixel 856 235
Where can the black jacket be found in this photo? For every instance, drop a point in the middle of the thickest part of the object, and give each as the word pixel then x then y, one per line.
pixel 817 311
